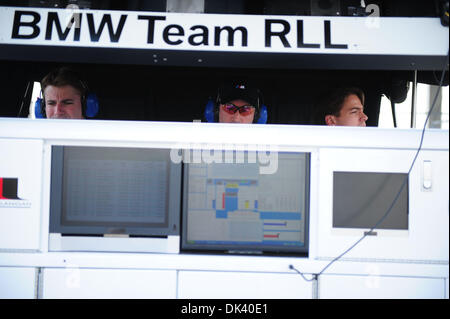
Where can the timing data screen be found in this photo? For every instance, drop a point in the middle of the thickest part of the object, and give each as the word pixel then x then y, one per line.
pixel 115 186
pixel 236 206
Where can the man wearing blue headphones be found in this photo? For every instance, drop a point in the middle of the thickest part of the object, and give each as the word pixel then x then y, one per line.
pixel 64 96
pixel 237 103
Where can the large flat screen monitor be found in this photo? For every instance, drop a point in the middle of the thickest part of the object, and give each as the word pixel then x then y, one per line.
pixel 239 207
pixel 114 190
pixel 364 199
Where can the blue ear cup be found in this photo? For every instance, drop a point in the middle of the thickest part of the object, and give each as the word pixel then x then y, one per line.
pixel 37 108
pixel 262 115
pixel 92 105
pixel 209 111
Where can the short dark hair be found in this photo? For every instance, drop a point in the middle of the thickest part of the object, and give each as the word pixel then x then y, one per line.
pixel 61 77
pixel 332 103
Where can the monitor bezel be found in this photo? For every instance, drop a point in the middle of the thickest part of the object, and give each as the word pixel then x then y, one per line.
pixel 402 200
pixel 170 227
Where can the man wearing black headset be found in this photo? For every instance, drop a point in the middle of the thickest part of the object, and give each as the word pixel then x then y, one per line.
pixel 64 95
pixel 237 103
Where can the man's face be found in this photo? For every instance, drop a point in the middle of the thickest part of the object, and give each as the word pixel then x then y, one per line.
pixel 351 114
pixel 62 102
pixel 226 114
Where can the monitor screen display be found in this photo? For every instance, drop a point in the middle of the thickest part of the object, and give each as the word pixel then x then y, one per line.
pixel 113 190
pixel 362 199
pixel 240 208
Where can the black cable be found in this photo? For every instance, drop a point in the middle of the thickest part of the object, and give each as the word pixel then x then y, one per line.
pixel 24 98
pixel 315 276
pixel 394 116
pixel 301 274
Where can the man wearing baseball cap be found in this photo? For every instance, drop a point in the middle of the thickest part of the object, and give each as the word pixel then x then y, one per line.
pixel 238 103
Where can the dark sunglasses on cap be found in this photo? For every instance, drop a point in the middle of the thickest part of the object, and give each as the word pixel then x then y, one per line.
pixel 244 110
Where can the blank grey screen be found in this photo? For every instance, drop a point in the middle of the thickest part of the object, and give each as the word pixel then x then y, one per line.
pixel 361 199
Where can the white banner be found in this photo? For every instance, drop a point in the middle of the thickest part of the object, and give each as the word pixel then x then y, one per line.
pixel 223 32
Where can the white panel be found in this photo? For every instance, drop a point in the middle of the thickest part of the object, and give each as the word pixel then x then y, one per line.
pixel 73 283
pixel 17 283
pixel 171 244
pixel 239 285
pixel 377 287
pixel 428 230
pixel 180 135
pixel 21 160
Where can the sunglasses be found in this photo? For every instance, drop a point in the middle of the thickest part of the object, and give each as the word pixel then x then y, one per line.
pixel 244 110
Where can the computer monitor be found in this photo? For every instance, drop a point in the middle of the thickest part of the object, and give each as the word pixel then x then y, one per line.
pixel 240 208
pixel 114 190
pixel 367 199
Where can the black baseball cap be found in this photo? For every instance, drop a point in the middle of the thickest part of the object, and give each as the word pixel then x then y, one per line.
pixel 239 91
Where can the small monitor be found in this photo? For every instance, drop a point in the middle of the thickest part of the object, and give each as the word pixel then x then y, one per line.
pixel 362 199
pixel 241 206
pixel 114 190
